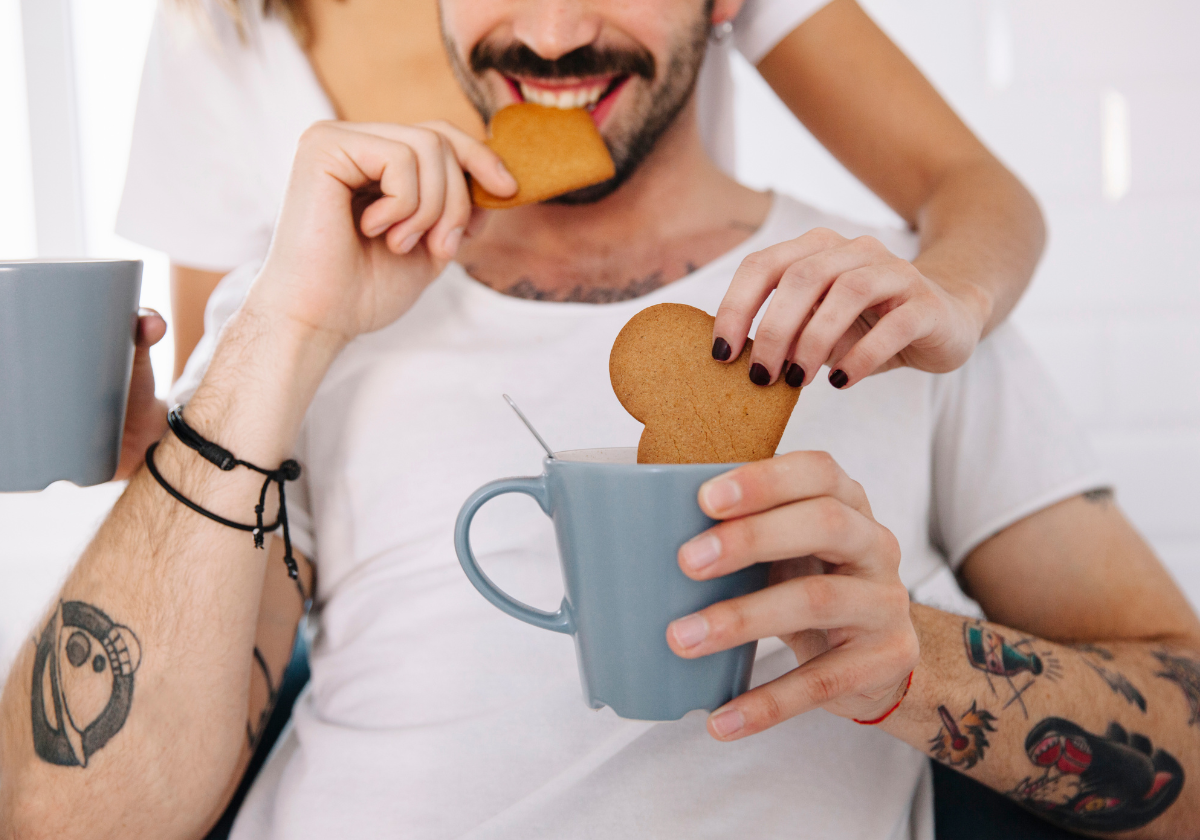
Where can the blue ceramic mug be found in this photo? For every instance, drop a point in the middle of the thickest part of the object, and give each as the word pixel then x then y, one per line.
pixel 619 526
pixel 67 332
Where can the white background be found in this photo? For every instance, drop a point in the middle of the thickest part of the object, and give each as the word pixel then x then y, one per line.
pixel 1094 103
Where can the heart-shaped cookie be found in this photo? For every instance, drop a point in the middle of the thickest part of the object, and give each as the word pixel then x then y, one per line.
pixel 550 151
pixel 696 410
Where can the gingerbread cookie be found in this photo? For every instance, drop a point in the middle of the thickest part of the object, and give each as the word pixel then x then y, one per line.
pixel 550 151
pixel 696 410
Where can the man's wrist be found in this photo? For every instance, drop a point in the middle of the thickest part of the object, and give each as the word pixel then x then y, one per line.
pixel 264 372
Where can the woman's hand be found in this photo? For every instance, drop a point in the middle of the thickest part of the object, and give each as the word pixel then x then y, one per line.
pixel 372 214
pixel 848 303
pixel 145 415
pixel 850 628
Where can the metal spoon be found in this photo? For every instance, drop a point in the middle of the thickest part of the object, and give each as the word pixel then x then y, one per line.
pixel 528 425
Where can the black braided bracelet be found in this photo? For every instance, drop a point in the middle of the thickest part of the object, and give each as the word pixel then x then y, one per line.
pixel 223 459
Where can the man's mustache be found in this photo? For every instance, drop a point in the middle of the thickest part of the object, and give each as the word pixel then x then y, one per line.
pixel 516 59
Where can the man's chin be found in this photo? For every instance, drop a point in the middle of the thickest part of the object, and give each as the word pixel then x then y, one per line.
pixel 590 195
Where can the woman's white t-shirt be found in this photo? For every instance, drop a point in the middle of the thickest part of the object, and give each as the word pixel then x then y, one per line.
pixel 218 118
pixel 431 714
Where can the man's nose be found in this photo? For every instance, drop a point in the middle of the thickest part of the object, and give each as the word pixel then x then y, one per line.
pixel 552 28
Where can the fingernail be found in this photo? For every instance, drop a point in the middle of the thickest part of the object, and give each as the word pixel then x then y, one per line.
pixel 721 350
pixel 453 239
pixel 838 379
pixel 759 375
pixel 720 494
pixel 701 552
pixel 503 172
pixel 728 722
pixel 795 375
pixel 689 631
pixel 410 243
pixel 371 233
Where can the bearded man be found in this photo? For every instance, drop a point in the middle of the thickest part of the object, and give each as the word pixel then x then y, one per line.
pixel 373 347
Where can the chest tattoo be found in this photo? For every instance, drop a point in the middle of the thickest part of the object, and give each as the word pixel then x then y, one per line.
pixel 528 289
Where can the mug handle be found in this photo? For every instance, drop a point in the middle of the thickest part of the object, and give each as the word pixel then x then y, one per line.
pixel 560 621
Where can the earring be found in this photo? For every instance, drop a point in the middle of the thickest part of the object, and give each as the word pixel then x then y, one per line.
pixel 721 31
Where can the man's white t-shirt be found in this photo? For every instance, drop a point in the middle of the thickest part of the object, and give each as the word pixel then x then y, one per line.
pixel 218 118
pixel 432 714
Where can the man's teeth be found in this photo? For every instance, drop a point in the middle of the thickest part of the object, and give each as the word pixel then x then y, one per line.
pixel 580 97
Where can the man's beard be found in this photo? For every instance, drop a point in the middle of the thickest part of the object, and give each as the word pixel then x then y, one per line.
pixel 630 147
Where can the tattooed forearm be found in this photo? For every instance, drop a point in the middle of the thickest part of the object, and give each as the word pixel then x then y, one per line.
pixel 1088 782
pixel 962 743
pixel 83 671
pixel 1008 664
pixel 255 731
pixel 1185 673
pixel 1115 679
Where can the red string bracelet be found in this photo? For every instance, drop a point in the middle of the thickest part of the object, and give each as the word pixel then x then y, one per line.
pixel 882 717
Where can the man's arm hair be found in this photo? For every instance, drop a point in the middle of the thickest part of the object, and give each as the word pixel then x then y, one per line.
pixel 1083 703
pixel 126 715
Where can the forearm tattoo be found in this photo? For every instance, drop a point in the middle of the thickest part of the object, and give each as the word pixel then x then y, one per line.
pixel 1010 664
pixel 1117 681
pixel 1185 673
pixel 83 671
pixel 1111 782
pixel 962 742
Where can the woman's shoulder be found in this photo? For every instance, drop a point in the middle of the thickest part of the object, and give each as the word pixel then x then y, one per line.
pixel 761 24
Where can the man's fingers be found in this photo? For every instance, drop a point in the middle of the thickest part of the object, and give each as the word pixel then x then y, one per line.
pixel 842 674
pixel 814 602
pixel 476 158
pixel 823 527
pixel 765 484
pixel 151 328
pixel 851 294
pixel 431 192
pixel 445 236
pixel 753 282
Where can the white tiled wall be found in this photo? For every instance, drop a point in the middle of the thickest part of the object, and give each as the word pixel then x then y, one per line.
pixel 1115 307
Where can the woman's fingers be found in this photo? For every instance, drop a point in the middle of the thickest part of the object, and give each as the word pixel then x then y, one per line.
pixel 853 293
pixel 762 485
pixel 815 602
pixel 805 286
pixel 891 334
pixel 753 282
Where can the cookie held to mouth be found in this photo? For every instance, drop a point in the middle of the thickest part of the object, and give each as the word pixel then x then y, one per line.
pixel 696 410
pixel 549 151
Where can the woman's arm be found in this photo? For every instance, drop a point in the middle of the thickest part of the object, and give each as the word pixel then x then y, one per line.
pixel 980 230
pixel 190 290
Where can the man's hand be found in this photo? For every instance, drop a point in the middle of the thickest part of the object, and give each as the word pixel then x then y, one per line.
pixel 850 628
pixel 335 271
pixel 145 416
pixel 848 303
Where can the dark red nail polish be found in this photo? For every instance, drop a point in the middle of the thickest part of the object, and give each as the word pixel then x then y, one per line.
pixel 795 375
pixel 759 375
pixel 838 379
pixel 721 350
